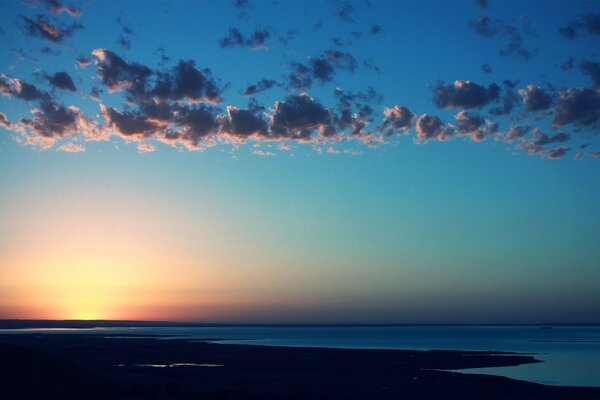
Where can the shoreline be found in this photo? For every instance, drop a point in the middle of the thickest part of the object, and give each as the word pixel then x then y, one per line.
pixel 94 366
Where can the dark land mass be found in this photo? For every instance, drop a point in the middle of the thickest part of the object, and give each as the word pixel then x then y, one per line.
pixel 76 366
pixel 101 323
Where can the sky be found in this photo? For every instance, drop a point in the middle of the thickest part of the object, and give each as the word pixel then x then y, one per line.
pixel 300 162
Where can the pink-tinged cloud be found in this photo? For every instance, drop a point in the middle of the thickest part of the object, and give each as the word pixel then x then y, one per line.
pixel 40 27
pixel 4 121
pixel 263 153
pixel 57 8
pixel 430 127
pixel 83 61
pixel 127 124
pixel 397 120
pixel 556 153
pixel 535 98
pixel 145 148
pixel 72 148
pixel 474 125
pixel 20 89
pixel 239 125
pixel 464 94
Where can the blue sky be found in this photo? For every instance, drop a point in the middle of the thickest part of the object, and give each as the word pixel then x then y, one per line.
pixel 295 214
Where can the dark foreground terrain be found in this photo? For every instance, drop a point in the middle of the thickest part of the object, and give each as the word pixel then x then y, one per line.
pixel 36 366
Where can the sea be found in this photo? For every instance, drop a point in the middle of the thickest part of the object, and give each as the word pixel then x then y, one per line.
pixel 570 355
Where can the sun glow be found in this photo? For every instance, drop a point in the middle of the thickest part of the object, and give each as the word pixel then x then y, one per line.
pixel 75 257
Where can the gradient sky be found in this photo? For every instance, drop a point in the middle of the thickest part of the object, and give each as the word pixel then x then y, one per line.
pixel 410 162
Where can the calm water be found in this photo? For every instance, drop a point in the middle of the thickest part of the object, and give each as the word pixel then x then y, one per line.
pixel 571 355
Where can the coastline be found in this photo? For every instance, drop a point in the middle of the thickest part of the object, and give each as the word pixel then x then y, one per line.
pixel 96 366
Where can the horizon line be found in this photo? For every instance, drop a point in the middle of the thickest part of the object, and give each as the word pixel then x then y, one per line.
pixel 156 323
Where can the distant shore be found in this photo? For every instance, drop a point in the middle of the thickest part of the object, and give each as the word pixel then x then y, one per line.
pixel 88 324
pixel 97 367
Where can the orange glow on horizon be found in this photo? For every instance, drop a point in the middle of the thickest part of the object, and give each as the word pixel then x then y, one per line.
pixel 85 255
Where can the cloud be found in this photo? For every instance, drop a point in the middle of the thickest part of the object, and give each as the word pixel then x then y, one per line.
pixel 240 3
pixel 486 68
pixel 495 28
pixel 554 154
pixel 579 106
pixel 397 120
pixel 178 106
pixel 57 8
pixel 321 68
pixel 242 7
pixel 62 80
pixel 262 153
pixel 4 121
pixel 568 64
pixel 235 38
pixel 338 41
pixel 50 51
pixel 355 113
pixel 188 125
pixel 376 29
pixel 40 27
pixel 260 86
pixel 163 103
pixel 510 99
pixel 360 100
pixel 535 98
pixel 431 127
pixel 197 124
pixel 116 73
pixel 474 125
pixel 481 3
pixel 83 61
pixel 588 23
pixel 258 39
pixel 324 66
pixel 593 154
pixel 186 81
pixel 464 94
pixel 344 10
pixel 289 36
pixel 542 139
pixel 298 117
pixel 72 148
pixel 568 31
pixel 124 42
pixel 535 145
pixel 145 148
pixel 300 76
pixel 485 26
pixel 591 69
pixel 20 89
pixel 129 124
pixel 516 133
pixel 95 93
pixel 348 121
pixel 20 53
pixel 52 119
pixel 242 124
pixel 530 147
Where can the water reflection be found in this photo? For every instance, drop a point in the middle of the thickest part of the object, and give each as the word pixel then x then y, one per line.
pixel 173 365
